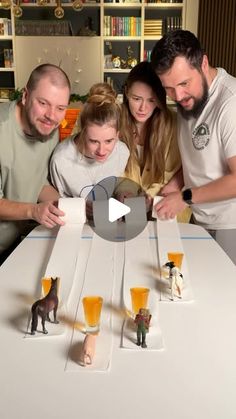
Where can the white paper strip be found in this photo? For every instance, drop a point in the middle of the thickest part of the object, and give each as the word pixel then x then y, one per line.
pixel 140 271
pixel 64 257
pixel 169 240
pixel 99 280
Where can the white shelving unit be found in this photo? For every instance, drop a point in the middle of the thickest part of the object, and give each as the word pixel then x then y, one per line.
pixel 82 57
pixel 141 42
pixel 7 70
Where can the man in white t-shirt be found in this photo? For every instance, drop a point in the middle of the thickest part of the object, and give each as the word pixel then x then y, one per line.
pixel 28 136
pixel 206 103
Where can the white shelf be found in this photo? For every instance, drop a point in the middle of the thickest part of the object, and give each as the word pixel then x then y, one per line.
pixel 116 70
pixel 6 37
pixel 122 38
pixel 4 69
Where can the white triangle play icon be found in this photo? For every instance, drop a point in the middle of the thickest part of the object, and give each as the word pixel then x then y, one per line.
pixel 116 210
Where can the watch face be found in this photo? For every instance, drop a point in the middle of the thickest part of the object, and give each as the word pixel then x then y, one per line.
pixel 187 196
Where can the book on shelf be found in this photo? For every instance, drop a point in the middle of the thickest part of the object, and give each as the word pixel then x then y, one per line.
pixel 43 27
pixel 147 55
pixel 172 23
pixel 153 27
pixel 121 26
pixel 8 58
pixel 5 27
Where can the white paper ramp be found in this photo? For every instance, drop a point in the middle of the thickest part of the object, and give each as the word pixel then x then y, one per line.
pixel 99 280
pixel 140 270
pixel 64 258
pixel 169 240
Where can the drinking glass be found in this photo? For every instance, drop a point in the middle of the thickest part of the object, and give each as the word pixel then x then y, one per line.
pixel 139 298
pixel 92 312
pixel 176 257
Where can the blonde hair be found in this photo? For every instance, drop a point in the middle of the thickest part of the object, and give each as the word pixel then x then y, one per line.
pixel 160 128
pixel 100 108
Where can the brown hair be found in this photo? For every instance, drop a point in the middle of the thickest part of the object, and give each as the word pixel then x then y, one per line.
pixel 159 128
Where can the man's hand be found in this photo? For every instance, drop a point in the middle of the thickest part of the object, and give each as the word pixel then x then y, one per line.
pixel 47 214
pixel 170 206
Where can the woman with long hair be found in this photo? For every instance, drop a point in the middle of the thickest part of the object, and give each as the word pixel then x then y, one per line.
pixel 148 128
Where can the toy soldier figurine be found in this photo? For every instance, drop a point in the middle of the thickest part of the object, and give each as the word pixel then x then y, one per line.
pixel 142 320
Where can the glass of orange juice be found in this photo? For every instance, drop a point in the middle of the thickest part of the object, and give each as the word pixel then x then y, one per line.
pixel 46 285
pixel 92 312
pixel 176 257
pixel 139 298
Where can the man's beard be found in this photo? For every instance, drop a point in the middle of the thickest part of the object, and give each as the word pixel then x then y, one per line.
pixel 34 132
pixel 199 104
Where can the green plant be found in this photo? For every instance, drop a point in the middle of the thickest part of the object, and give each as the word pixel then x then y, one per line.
pixel 15 94
pixel 74 97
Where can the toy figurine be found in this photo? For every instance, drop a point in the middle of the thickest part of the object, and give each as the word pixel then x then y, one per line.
pixel 142 320
pixel 88 350
pixel 175 280
pixel 43 307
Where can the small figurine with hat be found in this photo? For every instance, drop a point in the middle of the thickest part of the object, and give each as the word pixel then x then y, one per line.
pixel 142 320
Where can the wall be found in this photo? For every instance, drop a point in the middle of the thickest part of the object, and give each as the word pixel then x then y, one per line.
pixel 79 57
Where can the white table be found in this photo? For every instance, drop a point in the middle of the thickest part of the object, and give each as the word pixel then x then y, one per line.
pixel 194 377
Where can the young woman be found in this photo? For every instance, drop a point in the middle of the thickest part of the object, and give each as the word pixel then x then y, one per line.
pixel 83 160
pixel 149 129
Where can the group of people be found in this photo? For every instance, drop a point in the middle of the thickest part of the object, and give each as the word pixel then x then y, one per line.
pixel 187 156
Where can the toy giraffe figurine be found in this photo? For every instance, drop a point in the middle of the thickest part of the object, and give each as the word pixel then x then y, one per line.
pixel 43 307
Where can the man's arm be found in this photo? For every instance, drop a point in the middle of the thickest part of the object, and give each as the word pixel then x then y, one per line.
pixel 45 212
pixel 176 183
pixel 48 193
pixel 218 190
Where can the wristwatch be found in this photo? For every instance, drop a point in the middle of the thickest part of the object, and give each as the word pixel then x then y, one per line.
pixel 187 196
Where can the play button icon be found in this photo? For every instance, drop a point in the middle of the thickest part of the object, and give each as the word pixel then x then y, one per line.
pixel 116 210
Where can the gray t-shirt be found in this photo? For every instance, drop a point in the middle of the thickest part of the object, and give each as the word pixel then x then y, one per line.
pixel 24 165
pixel 74 175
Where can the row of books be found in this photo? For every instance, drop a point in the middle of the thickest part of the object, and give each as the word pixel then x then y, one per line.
pixel 8 57
pixel 160 26
pixel 147 54
pixel 55 1
pixel 43 27
pixel 164 1
pixel 153 27
pixel 5 26
pixel 105 1
pixel 122 26
pixel 171 23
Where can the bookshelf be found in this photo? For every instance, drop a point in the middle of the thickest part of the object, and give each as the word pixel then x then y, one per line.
pixel 7 54
pixel 101 42
pixel 134 26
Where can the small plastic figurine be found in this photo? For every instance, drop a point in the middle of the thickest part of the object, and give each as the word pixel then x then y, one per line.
pixel 43 307
pixel 88 350
pixel 175 280
pixel 142 320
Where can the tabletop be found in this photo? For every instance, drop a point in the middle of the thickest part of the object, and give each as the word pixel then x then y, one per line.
pixel 193 377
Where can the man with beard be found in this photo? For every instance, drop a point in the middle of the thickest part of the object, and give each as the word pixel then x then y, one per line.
pixel 28 135
pixel 206 103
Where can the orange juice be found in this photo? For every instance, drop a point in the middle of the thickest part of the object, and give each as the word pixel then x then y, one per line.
pixel 139 297
pixel 176 257
pixel 46 285
pixel 92 311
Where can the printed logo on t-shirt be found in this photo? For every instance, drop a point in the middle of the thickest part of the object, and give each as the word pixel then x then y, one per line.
pixel 201 136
